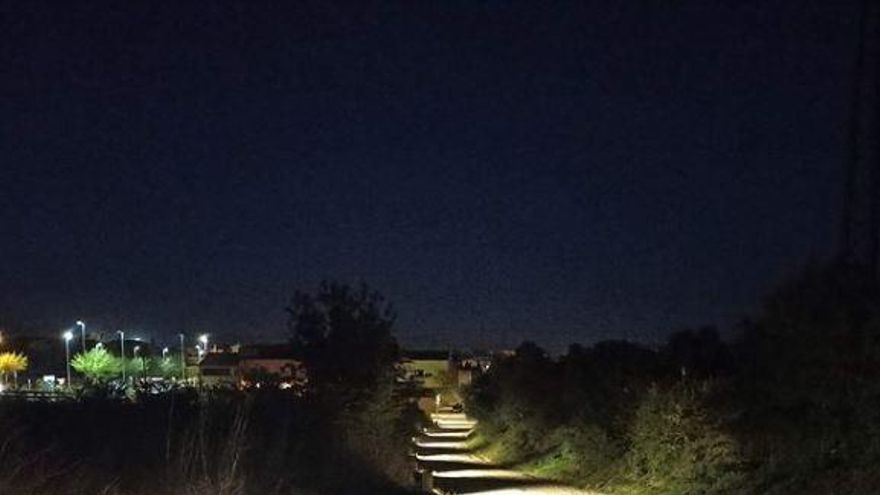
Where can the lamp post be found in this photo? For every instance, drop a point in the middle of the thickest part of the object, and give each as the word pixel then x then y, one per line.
pixel 68 336
pixel 164 353
pixel 137 349
pixel 182 359
pixel 122 353
pixel 82 328
pixel 203 338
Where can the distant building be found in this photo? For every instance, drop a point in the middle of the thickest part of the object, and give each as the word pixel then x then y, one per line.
pixel 252 366
pixel 470 364
pixel 430 372
pixel 219 369
pixel 271 362
pixel 427 368
pixel 440 375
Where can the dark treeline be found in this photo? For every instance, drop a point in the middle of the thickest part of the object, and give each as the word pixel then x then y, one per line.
pixel 790 405
pixel 346 432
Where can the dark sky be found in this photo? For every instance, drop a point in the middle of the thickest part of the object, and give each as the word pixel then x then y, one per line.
pixel 500 170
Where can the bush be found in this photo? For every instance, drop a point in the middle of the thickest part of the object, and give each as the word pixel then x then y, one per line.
pixel 183 443
pixel 677 444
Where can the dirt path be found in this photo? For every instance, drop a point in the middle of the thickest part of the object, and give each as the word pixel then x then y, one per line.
pixel 446 458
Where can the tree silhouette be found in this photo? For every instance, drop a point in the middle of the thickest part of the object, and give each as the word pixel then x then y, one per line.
pixel 343 336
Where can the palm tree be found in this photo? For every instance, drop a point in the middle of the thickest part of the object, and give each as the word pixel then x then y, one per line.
pixel 12 362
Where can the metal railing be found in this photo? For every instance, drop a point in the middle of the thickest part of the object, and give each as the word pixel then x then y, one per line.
pixel 35 395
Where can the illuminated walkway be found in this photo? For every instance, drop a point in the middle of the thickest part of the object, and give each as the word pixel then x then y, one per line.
pixel 445 457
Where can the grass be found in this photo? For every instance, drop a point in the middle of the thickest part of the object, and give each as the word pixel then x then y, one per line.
pixel 186 444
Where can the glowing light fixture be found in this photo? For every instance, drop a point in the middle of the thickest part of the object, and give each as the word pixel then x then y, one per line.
pixel 68 336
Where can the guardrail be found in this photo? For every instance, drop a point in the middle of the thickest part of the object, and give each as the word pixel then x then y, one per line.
pixel 35 395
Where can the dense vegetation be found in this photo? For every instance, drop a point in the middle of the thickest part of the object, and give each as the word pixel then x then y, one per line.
pixel 198 442
pixel 340 434
pixel 791 405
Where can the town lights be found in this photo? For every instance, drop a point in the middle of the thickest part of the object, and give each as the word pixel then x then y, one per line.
pixel 203 339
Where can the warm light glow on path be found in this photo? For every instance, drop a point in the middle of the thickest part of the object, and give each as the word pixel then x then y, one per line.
pixel 486 474
pixel 442 445
pixel 455 458
pixel 455 424
pixel 452 433
pixel 459 416
pixel 534 490
pixel 447 434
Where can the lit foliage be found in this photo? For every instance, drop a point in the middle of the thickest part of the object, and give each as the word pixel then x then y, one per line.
pixel 97 364
pixel 167 367
pixel 12 362
pixel 136 366
pixel 678 444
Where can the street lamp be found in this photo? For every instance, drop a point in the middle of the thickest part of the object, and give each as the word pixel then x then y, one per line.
pixel 68 336
pixel 182 359
pixel 136 349
pixel 164 353
pixel 122 353
pixel 82 329
pixel 203 338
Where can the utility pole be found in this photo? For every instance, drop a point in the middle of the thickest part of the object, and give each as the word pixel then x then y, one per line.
pixel 182 359
pixel 122 353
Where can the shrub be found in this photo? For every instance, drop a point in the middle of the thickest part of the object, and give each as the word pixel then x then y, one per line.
pixel 677 444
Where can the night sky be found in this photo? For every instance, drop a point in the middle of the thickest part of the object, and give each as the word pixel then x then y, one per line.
pixel 499 170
